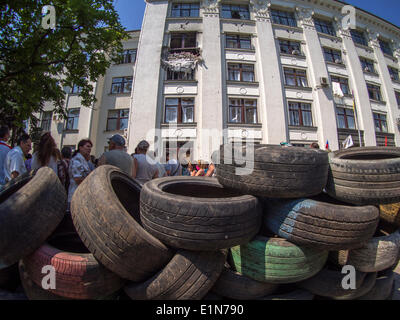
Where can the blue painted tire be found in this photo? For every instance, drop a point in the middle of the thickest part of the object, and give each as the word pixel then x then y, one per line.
pixel 321 223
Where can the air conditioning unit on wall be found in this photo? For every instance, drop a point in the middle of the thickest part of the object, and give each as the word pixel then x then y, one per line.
pixel 324 82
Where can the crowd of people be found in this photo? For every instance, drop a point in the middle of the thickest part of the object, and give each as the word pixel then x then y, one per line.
pixel 73 168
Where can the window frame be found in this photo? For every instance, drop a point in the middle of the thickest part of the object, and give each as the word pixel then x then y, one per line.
pixel 394 73
pixel 243 108
pixel 358 37
pixel 397 95
pixel 241 71
pixel 378 118
pixel 376 92
pixel 281 16
pixel 45 122
pixel 125 81
pixel 190 9
pixel 289 44
pixel 300 112
pixel 184 38
pixel 345 117
pixel 325 26
pixel 126 56
pixel 296 77
pixel 385 47
pixel 179 76
pixel 179 110
pixel 76 89
pixel 365 62
pixel 75 118
pixel 119 118
pixel 330 55
pixel 344 83
pixel 240 6
pixel 238 38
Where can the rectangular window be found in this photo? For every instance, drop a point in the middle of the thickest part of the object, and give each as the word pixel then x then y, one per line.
pixel 385 47
pixel 380 122
pixel 181 41
pixel 179 110
pixel 182 76
pixel 290 47
pixel 397 93
pixel 324 26
pixel 344 84
pixel 76 89
pixel 121 85
pixel 232 11
pixel 73 119
pixel 394 73
pixel 185 10
pixel 333 55
pixel 367 65
pixel 237 41
pixel 345 118
pixel 117 119
pixel 358 37
pixel 295 77
pixel 128 56
pixel 300 114
pixel 243 111
pixel 374 92
pixel 45 124
pixel 283 17
pixel 241 72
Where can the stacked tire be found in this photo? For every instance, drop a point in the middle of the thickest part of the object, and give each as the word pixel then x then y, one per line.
pixel 278 223
pixel 315 206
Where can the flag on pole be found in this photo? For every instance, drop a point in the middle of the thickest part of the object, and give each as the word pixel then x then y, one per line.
pixel 348 142
pixel 327 145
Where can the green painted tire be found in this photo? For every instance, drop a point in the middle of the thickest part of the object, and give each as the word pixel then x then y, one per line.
pixel 276 260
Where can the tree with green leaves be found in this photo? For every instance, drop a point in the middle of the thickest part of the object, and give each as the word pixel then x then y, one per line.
pixel 38 61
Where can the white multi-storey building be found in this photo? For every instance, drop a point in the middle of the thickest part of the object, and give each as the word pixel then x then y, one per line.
pixel 265 71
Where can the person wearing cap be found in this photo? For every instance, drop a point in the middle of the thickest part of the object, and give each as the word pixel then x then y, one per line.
pixel 117 156
pixel 146 168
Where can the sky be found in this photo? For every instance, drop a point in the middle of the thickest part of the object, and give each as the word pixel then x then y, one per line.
pixel 131 11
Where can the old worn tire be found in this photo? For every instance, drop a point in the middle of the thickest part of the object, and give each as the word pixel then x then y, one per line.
pixel 275 171
pixel 105 212
pixel 276 260
pixel 379 253
pixel 298 294
pixel 234 285
pixel 31 207
pixel 78 275
pixel 188 276
pixel 390 213
pixel 320 222
pixel 328 283
pixel 363 176
pixel 197 213
pixel 383 287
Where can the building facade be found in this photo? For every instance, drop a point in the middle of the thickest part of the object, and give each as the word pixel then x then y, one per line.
pixel 274 71
pixel 264 71
pixel 108 116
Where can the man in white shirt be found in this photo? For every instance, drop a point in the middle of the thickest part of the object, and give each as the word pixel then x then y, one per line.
pixel 15 161
pixel 4 149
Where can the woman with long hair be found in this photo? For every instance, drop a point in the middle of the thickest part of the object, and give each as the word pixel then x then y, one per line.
pixel 79 167
pixel 46 154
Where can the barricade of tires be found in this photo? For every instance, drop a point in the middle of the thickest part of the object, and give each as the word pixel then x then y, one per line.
pixel 265 229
